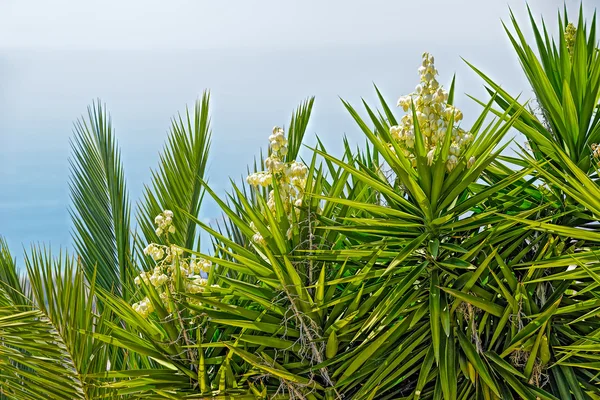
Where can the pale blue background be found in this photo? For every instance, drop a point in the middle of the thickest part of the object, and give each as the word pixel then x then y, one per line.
pixel 148 59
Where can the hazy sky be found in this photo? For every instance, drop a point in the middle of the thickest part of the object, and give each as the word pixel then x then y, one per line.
pixel 152 24
pixel 148 59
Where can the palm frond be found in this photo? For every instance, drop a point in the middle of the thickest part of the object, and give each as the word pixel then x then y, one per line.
pixel 100 203
pixel 46 347
pixel 10 281
pixel 176 185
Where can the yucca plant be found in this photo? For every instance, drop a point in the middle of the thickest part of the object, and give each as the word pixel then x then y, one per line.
pixel 420 266
pixel 563 135
pixel 565 77
pixel 376 285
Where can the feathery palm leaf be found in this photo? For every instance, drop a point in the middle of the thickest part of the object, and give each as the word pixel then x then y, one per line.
pixel 177 183
pixel 46 347
pixel 101 207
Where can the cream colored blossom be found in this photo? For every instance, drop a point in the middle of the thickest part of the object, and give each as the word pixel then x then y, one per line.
pixel 433 116
pixel 154 251
pixel 143 277
pixel 197 285
pixel 471 162
pixel 290 177
pixel 164 223
pixel 430 155
pixel 596 151
pixel 258 238
pixel 158 278
pixel 176 250
pixel 144 307
pixel 171 261
pixel 200 265
pixel 451 163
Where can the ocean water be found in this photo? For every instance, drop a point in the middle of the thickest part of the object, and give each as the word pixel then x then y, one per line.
pixel 43 91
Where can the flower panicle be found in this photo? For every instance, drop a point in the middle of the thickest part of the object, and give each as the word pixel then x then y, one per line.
pixel 290 177
pixel 170 261
pixel 433 115
pixel 164 223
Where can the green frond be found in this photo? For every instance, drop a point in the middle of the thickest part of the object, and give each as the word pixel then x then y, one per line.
pixel 10 281
pixel 177 183
pixel 100 203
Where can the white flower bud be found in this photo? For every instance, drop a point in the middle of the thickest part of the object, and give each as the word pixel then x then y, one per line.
pixel 455 150
pixel 457 115
pixel 430 155
pixel 471 162
pixel 451 162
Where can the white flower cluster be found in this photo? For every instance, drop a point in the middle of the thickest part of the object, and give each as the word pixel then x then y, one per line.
pixel 170 259
pixel 164 222
pixel 155 251
pixel 278 142
pixel 156 279
pixel 263 179
pixel 596 151
pixel 144 307
pixel 433 114
pixel 290 178
pixel 196 285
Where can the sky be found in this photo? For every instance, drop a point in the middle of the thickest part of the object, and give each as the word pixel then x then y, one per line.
pixel 147 60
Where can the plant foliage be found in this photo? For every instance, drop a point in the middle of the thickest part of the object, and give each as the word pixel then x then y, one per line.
pixel 426 264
